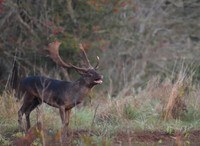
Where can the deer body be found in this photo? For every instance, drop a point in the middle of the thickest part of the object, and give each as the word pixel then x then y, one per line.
pixel 56 93
pixel 60 94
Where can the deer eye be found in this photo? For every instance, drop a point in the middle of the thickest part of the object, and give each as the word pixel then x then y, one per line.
pixel 90 75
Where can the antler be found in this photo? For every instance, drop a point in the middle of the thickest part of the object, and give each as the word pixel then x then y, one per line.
pixel 86 58
pixel 85 55
pixel 97 65
pixel 53 49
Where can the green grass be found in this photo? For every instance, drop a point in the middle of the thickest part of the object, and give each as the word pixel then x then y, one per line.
pixel 82 118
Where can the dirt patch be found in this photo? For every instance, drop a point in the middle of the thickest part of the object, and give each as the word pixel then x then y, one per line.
pixel 152 137
pixel 147 137
pixel 128 138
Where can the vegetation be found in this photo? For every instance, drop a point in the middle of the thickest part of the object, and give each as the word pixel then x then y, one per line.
pixel 149 56
pixel 161 106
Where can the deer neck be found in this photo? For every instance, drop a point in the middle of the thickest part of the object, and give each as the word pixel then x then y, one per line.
pixel 81 87
pixel 80 90
pixel 83 83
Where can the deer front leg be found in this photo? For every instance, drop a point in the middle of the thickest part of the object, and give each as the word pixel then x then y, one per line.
pixel 65 115
pixel 62 115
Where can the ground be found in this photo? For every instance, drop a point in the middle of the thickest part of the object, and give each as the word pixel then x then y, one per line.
pixel 86 137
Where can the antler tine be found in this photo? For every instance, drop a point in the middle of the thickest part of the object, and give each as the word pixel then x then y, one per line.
pixel 97 65
pixel 53 49
pixel 85 55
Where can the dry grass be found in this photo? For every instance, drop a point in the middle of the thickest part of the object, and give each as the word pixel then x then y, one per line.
pixel 175 104
pixel 8 104
pixel 167 99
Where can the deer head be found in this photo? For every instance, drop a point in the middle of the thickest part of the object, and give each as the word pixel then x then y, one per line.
pixel 89 74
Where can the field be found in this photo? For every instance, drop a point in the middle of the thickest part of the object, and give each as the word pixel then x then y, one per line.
pixel 163 113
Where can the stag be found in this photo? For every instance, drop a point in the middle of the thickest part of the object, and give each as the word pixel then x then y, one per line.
pixel 60 94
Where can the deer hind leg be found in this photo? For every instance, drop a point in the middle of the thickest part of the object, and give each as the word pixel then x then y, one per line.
pixel 28 105
pixel 34 104
pixel 20 115
pixel 25 105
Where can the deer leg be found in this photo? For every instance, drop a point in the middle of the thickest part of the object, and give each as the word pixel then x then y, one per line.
pixel 65 115
pixel 34 104
pixel 22 110
pixel 62 115
pixel 20 115
pixel 26 106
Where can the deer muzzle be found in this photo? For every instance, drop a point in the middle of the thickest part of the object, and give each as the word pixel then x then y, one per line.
pixel 99 80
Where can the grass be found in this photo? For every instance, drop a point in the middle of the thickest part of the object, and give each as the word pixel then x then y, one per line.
pixel 82 118
pixel 145 111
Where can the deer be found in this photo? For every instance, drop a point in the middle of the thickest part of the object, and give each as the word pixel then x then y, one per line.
pixel 61 94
